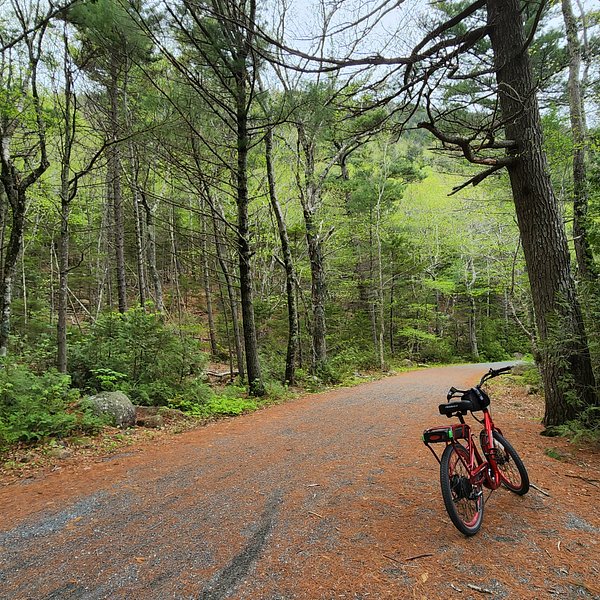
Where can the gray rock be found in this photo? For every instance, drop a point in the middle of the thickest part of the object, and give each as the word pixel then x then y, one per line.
pixel 151 422
pixel 148 416
pixel 116 405
pixel 142 412
pixel 61 453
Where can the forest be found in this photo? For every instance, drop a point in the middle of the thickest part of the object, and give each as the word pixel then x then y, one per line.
pixel 292 195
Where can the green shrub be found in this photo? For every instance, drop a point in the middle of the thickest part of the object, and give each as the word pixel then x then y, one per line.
pixel 205 403
pixel 224 405
pixel 425 346
pixel 138 353
pixel 528 375
pixel 34 407
pixel 276 390
pixel 493 351
pixel 584 429
pixel 107 380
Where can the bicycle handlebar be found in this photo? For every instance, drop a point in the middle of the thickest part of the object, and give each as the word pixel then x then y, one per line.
pixel 494 373
pixel 452 392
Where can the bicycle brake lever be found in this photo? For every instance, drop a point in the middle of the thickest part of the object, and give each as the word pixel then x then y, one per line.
pixel 451 392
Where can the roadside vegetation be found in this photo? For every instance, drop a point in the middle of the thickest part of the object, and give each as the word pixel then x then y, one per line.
pixel 192 214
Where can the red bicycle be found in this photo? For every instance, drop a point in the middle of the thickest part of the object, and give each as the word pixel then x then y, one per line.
pixel 464 472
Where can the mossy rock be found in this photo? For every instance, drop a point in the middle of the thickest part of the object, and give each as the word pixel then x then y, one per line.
pixel 115 405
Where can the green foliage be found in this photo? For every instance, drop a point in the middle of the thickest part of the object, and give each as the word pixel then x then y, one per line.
pixel 584 429
pixel 351 357
pixel 231 401
pixel 34 407
pixel 224 405
pixel 528 375
pixel 107 31
pixel 140 354
pixel 553 453
pixel 424 346
pixel 107 380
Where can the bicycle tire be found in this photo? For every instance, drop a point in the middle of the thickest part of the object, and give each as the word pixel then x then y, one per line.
pixel 464 503
pixel 510 465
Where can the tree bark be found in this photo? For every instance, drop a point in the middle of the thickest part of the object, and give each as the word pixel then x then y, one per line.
pixel 583 251
pixel 138 222
pixel 63 289
pixel 470 278
pixel 310 198
pixel 151 252
pixel 255 383
pixel 65 208
pixel 114 192
pixel 293 326
pixel 16 184
pixel 230 294
pixel 18 203
pixel 207 291
pixel 566 366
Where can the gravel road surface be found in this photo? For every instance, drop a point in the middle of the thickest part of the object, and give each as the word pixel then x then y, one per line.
pixel 329 496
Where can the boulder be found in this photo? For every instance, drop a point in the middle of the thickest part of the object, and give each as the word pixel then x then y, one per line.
pixel 116 405
pixel 61 453
pixel 152 422
pixel 148 416
pixel 142 412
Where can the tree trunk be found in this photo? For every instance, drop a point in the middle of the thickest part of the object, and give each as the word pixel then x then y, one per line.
pixel 151 253
pixel 293 327
pixel 65 208
pixel 318 291
pixel 473 329
pixel 16 184
pixel 566 367
pixel 114 192
pixel 380 287
pixel 3 222
pixel 175 259
pixel 391 325
pixel 255 383
pixel 17 201
pixel 228 337
pixel 139 231
pixel 583 251
pixel 310 197
pixel 63 283
pixel 230 294
pixel 207 292
pixel 470 278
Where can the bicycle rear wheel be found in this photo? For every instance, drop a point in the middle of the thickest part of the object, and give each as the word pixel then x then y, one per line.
pixel 464 502
pixel 512 470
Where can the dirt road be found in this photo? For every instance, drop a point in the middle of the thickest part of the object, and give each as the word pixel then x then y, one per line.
pixel 329 496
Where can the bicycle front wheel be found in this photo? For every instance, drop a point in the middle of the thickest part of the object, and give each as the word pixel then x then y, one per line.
pixel 512 470
pixel 464 502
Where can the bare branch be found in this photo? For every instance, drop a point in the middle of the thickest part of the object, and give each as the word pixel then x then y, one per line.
pixel 465 146
pixel 53 12
pixel 477 179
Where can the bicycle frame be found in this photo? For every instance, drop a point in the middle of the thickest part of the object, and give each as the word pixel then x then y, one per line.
pixel 483 470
